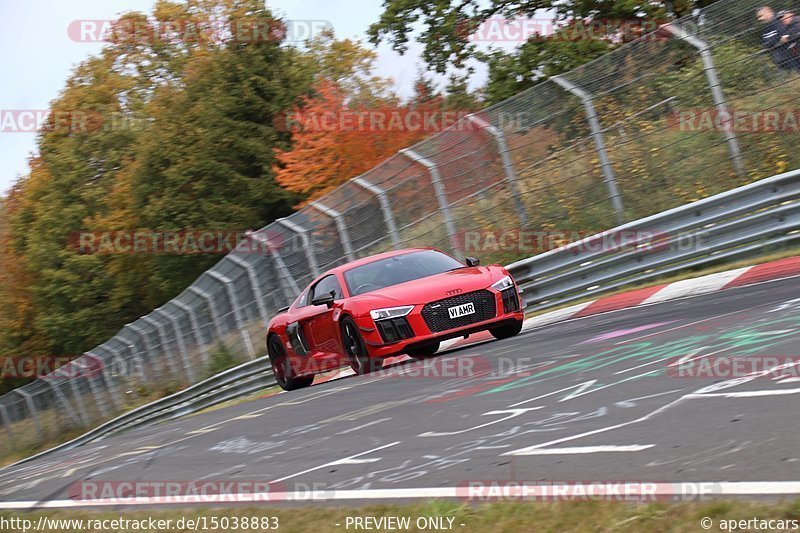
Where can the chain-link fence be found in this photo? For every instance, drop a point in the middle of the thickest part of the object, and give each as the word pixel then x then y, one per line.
pixel 637 131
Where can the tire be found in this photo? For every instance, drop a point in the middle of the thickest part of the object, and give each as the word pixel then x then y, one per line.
pixel 282 368
pixel 509 330
pixel 356 350
pixel 424 352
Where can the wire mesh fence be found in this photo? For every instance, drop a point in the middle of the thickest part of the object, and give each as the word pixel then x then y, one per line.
pixel 695 108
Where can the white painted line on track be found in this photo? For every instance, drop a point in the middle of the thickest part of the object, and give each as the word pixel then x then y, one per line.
pixel 337 462
pixel 692 490
pixel 362 426
pixel 746 394
pixel 583 449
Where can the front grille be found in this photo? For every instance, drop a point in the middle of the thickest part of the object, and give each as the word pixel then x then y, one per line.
pixel 437 319
pixel 510 300
pixel 394 329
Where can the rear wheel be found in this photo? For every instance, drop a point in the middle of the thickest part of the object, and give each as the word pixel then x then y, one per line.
pixel 282 367
pixel 509 330
pixel 356 350
pixel 423 352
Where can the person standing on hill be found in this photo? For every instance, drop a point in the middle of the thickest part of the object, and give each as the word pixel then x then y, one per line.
pixel 776 38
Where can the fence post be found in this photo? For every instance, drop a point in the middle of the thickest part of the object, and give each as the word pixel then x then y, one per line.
pixel 340 225
pixel 187 365
pixel 716 90
pixel 386 208
pixel 123 335
pixel 117 357
pixel 80 417
pixel 76 393
pixel 32 409
pixel 7 425
pixel 163 338
pixel 441 197
pixel 289 285
pixel 98 399
pixel 227 283
pixel 303 234
pixel 508 165
pixel 600 146
pixel 147 346
pixel 256 288
pixel 198 336
pixel 212 307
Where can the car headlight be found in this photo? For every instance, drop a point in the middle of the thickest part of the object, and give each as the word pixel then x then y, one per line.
pixel 505 283
pixel 390 312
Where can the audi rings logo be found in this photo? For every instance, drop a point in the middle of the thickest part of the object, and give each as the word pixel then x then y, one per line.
pixel 453 292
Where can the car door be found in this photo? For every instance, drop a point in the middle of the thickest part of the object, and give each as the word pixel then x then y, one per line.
pixel 319 326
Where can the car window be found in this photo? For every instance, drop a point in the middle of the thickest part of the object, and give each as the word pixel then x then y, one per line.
pixel 301 300
pixel 325 286
pixel 398 269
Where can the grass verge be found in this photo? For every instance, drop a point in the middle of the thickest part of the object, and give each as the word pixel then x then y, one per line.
pixel 496 517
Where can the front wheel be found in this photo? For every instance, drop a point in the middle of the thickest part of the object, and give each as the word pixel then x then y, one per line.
pixel 282 366
pixel 509 330
pixel 423 352
pixel 356 350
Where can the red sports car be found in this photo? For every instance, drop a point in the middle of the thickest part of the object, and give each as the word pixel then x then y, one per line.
pixel 400 302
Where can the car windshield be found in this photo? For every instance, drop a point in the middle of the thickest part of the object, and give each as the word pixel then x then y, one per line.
pixel 398 269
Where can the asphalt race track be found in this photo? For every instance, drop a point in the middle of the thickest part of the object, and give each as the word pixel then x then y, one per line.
pixel 599 398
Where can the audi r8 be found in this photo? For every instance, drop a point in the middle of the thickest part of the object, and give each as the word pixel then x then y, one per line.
pixel 399 302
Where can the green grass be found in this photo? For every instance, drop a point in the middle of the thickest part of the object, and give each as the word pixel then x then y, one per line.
pixel 495 517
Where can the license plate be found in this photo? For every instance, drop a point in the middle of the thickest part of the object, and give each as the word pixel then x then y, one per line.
pixel 461 310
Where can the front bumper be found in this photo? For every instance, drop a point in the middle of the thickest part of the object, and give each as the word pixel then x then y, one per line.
pixel 422 333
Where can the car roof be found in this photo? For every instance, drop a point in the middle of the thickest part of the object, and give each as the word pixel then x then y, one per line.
pixel 373 258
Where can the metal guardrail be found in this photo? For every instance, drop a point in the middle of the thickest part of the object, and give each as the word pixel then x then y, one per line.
pixel 233 383
pixel 729 225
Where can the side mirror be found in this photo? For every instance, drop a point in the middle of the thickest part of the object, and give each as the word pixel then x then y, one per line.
pixel 324 299
pixel 472 261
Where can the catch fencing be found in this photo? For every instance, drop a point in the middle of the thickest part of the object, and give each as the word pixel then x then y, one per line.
pixel 636 132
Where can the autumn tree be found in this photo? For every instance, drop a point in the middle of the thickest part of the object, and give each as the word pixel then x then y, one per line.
pixel 352 122
pixel 178 134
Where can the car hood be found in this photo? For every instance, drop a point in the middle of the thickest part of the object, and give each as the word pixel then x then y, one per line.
pixel 430 288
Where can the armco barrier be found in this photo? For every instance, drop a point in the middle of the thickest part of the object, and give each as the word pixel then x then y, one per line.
pixel 729 225
pixel 236 382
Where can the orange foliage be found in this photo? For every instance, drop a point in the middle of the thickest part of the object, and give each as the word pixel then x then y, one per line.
pixel 334 141
pixel 16 300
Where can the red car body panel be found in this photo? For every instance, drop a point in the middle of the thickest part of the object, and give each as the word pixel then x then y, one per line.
pixel 321 325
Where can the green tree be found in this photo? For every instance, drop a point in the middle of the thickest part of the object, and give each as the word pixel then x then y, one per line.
pixel 447 27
